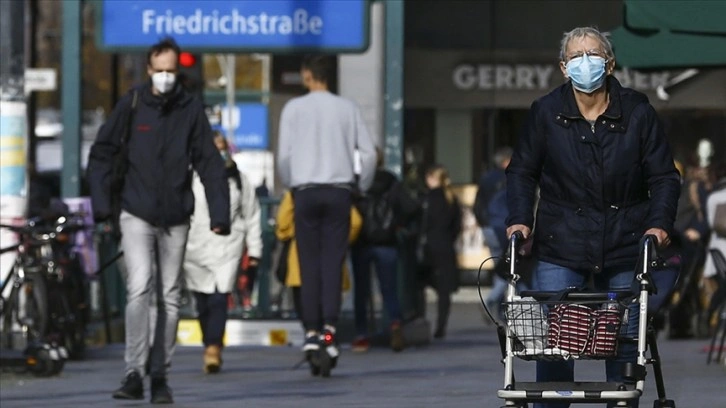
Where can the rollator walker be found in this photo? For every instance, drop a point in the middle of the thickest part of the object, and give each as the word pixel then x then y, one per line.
pixel 580 325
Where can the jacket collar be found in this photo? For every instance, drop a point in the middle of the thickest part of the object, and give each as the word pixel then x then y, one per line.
pixel 178 97
pixel 614 110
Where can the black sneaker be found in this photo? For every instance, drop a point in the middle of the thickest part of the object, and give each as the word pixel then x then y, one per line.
pixel 132 387
pixel 160 392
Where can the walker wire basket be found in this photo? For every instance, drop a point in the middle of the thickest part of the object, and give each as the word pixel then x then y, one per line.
pixel 564 329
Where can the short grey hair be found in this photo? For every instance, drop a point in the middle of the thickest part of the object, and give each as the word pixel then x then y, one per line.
pixel 580 32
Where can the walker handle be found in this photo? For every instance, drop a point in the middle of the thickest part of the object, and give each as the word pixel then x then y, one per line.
pixel 515 240
pixel 648 259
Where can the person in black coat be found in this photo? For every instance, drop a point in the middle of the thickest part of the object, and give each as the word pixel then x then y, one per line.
pixel 440 227
pixel 599 155
pixel 387 212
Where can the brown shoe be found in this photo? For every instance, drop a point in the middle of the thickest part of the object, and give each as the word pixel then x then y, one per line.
pixel 397 340
pixel 212 359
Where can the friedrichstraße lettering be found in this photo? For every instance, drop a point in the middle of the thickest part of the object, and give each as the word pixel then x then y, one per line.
pixel 299 22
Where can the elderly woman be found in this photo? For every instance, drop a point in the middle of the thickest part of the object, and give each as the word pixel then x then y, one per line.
pixel 606 175
pixel 212 261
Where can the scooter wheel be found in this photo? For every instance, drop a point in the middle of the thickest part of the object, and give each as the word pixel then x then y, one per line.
pixel 664 404
pixel 326 363
pixel 40 362
pixel 312 358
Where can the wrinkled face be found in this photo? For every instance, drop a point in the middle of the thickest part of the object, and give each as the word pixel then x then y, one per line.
pixel 165 61
pixel 580 46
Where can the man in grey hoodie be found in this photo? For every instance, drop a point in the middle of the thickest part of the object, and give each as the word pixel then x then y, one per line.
pixel 319 135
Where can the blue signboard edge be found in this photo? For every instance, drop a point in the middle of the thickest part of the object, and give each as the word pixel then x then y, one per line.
pixel 98 12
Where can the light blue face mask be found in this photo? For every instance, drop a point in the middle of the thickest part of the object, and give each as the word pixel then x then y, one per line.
pixel 587 73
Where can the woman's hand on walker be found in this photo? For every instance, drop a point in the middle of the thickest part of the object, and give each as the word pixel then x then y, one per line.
pixel 663 239
pixel 525 230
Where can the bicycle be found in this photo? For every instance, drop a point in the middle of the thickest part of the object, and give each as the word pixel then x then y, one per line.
pixel 41 312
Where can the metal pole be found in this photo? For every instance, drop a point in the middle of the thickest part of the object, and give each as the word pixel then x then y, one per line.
pixel 231 76
pixel 393 138
pixel 71 99
pixel 12 47
pixel 31 26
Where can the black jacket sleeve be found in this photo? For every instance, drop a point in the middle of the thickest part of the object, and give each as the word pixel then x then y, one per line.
pixel 102 156
pixel 207 161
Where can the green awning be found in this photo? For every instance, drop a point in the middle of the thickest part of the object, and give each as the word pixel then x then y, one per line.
pixel 662 34
pixel 691 16
pixel 666 49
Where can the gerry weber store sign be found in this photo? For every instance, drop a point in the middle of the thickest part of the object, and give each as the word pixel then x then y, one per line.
pixel 533 77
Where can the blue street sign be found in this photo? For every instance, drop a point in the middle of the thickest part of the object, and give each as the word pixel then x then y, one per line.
pixel 241 26
pixel 249 121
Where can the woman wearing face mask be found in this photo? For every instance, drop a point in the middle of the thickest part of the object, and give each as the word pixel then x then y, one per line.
pixel 212 261
pixel 605 171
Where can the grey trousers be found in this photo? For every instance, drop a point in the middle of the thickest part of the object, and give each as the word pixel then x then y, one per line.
pixel 153 258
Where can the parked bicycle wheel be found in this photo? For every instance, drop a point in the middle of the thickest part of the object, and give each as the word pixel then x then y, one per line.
pixel 27 307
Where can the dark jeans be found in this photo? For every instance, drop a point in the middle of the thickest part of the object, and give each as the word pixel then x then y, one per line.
pixel 322 225
pixel 385 259
pixel 212 310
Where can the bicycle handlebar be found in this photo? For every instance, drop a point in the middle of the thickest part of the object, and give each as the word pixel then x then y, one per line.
pixel 40 234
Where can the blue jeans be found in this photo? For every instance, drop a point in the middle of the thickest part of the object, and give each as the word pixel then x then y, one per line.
pixel 385 260
pixel 551 277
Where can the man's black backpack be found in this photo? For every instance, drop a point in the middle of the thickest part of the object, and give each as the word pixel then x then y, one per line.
pixel 379 227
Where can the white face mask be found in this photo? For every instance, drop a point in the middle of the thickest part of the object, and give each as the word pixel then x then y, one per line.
pixel 163 81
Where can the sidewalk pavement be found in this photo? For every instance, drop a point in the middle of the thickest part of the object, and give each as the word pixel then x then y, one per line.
pixel 463 370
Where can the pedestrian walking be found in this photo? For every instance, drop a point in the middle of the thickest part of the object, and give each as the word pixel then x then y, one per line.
pixel 285 233
pixel 319 135
pixel 605 171
pixel 440 227
pixel 387 210
pixel 140 165
pixel 212 261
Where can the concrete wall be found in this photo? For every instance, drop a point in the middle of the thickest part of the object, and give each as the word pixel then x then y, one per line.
pixel 360 76
pixel 453 143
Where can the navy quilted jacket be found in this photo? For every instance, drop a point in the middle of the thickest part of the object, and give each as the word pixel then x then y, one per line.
pixel 601 186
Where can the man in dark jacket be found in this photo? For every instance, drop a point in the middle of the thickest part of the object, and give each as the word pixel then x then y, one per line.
pixel 606 176
pixel 163 133
pixel 387 211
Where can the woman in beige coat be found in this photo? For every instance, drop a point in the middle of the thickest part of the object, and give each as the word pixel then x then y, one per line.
pixel 212 261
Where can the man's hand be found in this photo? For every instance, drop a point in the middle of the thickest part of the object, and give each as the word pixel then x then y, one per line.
pixel 220 231
pixel 254 262
pixel 525 230
pixel 663 239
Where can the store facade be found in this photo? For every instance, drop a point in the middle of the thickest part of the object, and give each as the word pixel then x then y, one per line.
pixel 465 97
